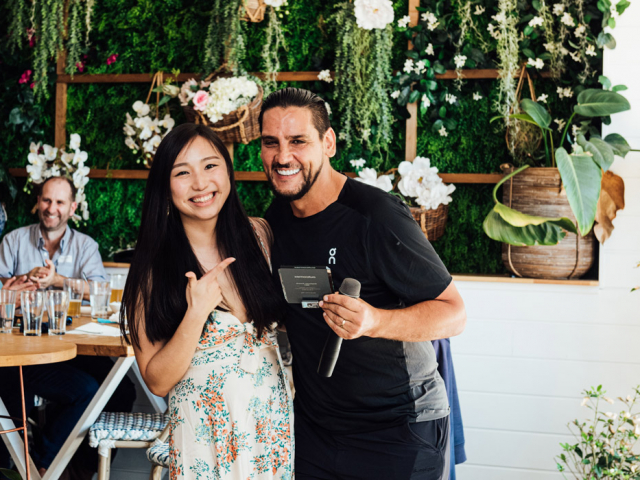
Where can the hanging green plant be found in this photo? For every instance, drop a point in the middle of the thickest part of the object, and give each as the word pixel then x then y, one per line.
pixel 50 34
pixel 363 71
pixel 224 47
pixel 273 42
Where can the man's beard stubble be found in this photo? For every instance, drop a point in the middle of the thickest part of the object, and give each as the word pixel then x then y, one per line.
pixel 306 185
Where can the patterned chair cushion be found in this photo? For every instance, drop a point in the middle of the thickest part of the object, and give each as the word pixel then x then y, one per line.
pixel 158 454
pixel 112 426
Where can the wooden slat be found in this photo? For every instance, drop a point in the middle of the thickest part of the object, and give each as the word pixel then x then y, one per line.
pixel 490 178
pixel 147 77
pixel 507 279
pixel 471 74
pixel 411 126
pixel 60 129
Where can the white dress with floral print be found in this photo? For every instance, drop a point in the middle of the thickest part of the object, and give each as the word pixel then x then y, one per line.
pixel 231 414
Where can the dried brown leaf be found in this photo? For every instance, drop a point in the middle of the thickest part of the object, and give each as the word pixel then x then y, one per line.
pixel 611 200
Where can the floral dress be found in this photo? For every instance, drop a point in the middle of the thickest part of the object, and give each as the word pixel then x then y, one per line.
pixel 231 415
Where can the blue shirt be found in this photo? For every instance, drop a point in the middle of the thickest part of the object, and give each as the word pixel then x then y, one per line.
pixel 23 250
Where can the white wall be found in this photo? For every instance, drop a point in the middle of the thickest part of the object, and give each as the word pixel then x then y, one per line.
pixel 529 350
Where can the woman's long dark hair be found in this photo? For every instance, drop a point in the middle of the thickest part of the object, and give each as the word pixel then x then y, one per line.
pixel 156 283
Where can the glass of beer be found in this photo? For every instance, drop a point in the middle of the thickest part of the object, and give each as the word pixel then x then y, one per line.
pixel 57 307
pixel 75 288
pixel 7 310
pixel 99 295
pixel 32 309
pixel 117 286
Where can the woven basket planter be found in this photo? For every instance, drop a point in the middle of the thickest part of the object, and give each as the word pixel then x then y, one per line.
pixel 431 222
pixel 254 10
pixel 239 126
pixel 537 191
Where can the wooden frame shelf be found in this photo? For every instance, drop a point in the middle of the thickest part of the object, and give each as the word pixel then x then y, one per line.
pixel 490 178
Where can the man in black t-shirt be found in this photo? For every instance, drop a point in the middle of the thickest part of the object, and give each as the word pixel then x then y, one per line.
pixel 383 414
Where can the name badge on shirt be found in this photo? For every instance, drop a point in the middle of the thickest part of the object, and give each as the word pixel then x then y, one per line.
pixel 65 259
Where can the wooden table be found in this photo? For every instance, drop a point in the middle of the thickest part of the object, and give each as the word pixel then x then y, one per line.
pixel 81 344
pixel 18 353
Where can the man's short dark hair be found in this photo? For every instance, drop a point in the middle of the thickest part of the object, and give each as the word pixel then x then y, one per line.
pixel 298 97
pixel 74 190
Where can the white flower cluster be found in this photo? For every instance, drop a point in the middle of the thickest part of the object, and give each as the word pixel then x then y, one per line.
pixel 537 63
pixel 325 76
pixel 419 180
pixel 46 161
pixel 404 21
pixel 370 177
pixel 226 95
pixel 536 22
pixel 372 14
pixel 564 92
pixel 459 60
pixel 543 98
pixel 431 19
pixel 143 132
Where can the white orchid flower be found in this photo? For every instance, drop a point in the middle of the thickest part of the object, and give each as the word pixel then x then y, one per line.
pixel 74 141
pixel 50 152
pixel 35 173
pixel 128 130
pixel 370 177
pixel 129 119
pixel 35 159
pixel 141 108
pixel 79 158
pixel 130 143
pixel 146 133
pixel 34 147
pixel 168 122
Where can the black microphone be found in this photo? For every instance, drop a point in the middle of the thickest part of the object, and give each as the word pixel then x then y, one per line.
pixel 351 288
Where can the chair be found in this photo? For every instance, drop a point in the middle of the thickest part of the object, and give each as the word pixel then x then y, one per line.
pixel 158 455
pixel 123 430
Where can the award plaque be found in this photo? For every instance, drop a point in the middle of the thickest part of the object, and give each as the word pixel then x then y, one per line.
pixel 306 285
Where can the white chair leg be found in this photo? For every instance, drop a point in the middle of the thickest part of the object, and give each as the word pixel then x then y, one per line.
pixel 104 466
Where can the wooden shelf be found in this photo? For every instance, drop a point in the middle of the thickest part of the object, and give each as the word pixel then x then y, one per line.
pixel 469 278
pixel 469 74
pixel 530 281
pixel 488 178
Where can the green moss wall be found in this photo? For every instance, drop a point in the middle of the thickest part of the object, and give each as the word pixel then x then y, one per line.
pixel 149 35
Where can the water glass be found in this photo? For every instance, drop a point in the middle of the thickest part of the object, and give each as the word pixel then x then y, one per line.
pixel 57 307
pixel 99 295
pixel 117 286
pixel 75 289
pixel 7 310
pixel 33 304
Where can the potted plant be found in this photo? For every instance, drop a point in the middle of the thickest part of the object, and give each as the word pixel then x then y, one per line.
pixel 605 442
pixel 563 192
pixel 419 186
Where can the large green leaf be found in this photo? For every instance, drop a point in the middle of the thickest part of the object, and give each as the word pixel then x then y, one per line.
pixel 537 112
pixel 600 103
pixel 605 151
pixel 581 177
pixel 519 219
pixel 498 229
pixel 10 474
pixel 618 144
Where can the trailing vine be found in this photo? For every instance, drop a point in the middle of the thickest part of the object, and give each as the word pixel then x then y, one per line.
pixel 226 39
pixel 363 73
pixel 274 40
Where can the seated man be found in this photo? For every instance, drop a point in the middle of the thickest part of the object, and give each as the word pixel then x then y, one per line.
pixel 43 255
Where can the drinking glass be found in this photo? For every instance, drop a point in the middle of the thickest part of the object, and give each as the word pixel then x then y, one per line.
pixel 32 310
pixel 117 286
pixel 57 307
pixel 7 310
pixel 99 294
pixel 75 288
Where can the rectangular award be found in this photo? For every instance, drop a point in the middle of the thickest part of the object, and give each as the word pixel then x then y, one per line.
pixel 306 285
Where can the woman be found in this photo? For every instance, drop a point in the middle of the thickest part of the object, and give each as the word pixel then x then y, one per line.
pixel 200 282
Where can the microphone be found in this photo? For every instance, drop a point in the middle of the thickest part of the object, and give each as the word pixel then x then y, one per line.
pixel 351 288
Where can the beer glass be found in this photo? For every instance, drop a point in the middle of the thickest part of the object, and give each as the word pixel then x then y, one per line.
pixel 75 289
pixel 117 286
pixel 99 295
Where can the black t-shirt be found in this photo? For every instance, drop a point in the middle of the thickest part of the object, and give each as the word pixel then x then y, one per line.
pixel 371 236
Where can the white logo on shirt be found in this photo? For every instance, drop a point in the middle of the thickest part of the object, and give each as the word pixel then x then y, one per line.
pixel 332 256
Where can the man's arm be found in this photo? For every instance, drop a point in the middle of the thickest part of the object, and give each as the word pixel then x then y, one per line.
pixel 442 317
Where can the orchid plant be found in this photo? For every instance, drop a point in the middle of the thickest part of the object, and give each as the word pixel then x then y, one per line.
pixel 143 133
pixel 46 161
pixel 419 184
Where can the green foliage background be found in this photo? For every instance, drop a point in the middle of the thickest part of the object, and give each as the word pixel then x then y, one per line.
pixel 149 35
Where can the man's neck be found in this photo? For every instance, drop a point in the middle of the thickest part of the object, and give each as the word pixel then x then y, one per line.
pixel 52 237
pixel 323 193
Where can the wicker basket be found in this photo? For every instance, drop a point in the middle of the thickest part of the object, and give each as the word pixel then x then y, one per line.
pixel 254 10
pixel 537 191
pixel 432 222
pixel 239 126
